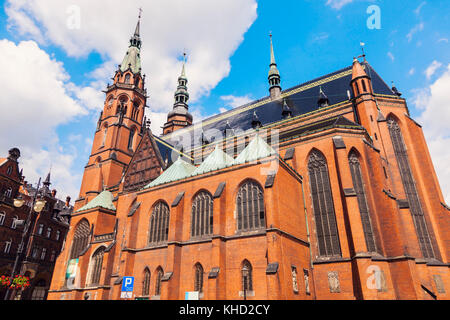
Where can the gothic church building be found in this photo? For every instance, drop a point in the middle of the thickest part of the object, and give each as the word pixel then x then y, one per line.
pixel 321 191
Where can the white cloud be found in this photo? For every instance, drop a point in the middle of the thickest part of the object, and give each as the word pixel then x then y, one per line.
pixel 443 40
pixel 432 68
pixel 414 30
pixel 435 119
pixel 391 56
pixel 236 101
pixel 338 4
pixel 417 11
pixel 412 71
pixel 210 31
pixel 36 98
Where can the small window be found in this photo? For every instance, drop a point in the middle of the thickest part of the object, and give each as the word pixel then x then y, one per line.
pixel 43 253
pixel 246 277
pixel 58 235
pixel 8 192
pixel 9 170
pixel 53 256
pixel 35 252
pixel 198 279
pixel 306 276
pixel 14 222
pixel 49 232
pixel 40 229
pixel 159 275
pixel 7 246
pixel 2 218
pixel 127 78
pixel 371 118
pixel 364 86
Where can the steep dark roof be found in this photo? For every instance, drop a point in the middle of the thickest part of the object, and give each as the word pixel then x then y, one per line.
pixel 300 99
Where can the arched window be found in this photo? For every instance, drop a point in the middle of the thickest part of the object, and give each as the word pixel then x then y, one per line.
pixel 250 207
pixel 58 234
pixel 246 276
pixel 105 132
pixel 40 229
pixel 49 232
pixel 131 139
pixel 326 226
pixel 96 266
pixel 146 283
pixel 358 185
pixel 198 279
pixel 9 170
pixel 127 78
pixel 159 275
pixel 202 215
pixel 410 188
pixel 159 223
pixel 80 239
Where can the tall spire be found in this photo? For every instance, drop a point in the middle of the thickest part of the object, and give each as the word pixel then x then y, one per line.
pixel 274 74
pixel 179 117
pixel 132 58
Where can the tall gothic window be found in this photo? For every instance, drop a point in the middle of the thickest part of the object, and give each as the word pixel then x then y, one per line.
pixel 247 276
pixel 198 280
pixel 358 185
pixel 159 275
pixel 146 283
pixel 159 223
pixel 131 138
pixel 410 188
pixel 127 78
pixel 325 218
pixel 250 207
pixel 202 215
pixel 80 239
pixel 96 266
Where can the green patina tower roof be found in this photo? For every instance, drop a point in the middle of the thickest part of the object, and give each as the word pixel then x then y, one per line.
pixel 103 200
pixel 132 58
pixel 256 149
pixel 215 161
pixel 180 169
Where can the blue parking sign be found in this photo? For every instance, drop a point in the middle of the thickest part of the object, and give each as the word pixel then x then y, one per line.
pixel 127 284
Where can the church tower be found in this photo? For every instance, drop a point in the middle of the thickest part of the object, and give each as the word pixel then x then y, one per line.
pixel 179 117
pixel 120 125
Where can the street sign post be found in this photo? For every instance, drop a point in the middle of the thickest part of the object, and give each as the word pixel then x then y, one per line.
pixel 127 288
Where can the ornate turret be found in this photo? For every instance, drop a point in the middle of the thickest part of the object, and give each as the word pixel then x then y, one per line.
pixel 274 75
pixel 179 117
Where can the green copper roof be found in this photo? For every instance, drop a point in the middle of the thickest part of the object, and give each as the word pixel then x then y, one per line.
pixel 215 161
pixel 256 149
pixel 180 169
pixel 103 200
pixel 131 58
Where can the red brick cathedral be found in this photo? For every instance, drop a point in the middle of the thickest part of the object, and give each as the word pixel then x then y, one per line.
pixel 322 191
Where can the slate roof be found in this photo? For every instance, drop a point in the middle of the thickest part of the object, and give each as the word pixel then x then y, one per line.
pixel 103 200
pixel 300 99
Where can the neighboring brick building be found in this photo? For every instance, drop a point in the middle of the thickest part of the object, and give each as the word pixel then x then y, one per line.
pixel 47 231
pixel 326 191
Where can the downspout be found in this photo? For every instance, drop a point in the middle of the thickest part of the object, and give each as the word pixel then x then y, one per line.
pixel 309 242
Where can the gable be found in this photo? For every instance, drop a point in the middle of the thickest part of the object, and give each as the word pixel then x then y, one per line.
pixel 145 165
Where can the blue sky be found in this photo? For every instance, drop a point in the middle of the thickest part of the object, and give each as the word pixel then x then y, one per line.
pixel 228 56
